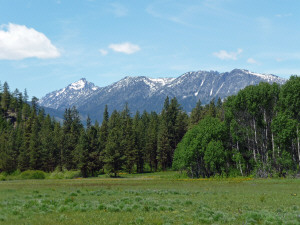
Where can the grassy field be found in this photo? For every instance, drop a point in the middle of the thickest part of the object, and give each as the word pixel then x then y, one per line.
pixel 157 198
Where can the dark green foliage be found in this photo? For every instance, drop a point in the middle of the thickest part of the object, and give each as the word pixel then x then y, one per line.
pixel 254 132
pixel 196 114
pixel 114 155
pixel 82 154
pixel 151 141
pixel 173 125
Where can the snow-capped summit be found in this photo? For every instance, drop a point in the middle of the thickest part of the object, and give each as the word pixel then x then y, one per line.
pixel 72 95
pixel 79 84
pixel 267 77
pixel 148 85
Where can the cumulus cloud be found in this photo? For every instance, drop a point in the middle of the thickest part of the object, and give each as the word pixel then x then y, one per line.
pixel 252 61
pixel 103 51
pixel 126 48
pixel 20 42
pixel 224 55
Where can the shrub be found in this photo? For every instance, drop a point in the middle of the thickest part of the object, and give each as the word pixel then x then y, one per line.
pixel 16 173
pixel 33 174
pixel 65 174
pixel 2 177
pixel 72 174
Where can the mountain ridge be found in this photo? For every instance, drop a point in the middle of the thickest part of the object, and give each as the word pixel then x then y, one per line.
pixel 145 93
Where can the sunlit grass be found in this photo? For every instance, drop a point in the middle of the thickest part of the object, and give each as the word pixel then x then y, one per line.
pixel 153 198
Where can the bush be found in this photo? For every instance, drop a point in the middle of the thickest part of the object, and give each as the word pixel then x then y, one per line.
pixel 72 174
pixel 33 174
pixel 15 173
pixel 2 177
pixel 64 174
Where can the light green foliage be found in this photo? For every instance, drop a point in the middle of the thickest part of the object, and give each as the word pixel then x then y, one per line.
pixel 201 151
pixel 33 174
pixel 64 174
pixel 214 156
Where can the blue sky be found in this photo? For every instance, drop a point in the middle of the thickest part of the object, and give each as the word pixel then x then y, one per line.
pixel 46 45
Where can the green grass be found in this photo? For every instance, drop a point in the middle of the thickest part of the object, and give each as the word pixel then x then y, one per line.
pixel 154 198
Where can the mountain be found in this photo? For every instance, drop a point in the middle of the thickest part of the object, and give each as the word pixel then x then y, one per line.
pixel 72 95
pixel 144 93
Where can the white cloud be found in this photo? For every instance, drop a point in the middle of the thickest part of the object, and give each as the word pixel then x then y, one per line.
pixel 19 42
pixel 224 55
pixel 103 52
pixel 252 61
pixel 126 48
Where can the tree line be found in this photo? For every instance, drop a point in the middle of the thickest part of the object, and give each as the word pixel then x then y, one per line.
pixel 255 131
pixel 32 140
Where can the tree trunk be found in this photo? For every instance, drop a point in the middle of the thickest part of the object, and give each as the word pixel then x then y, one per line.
pixel 298 146
pixel 255 138
pixel 273 147
pixel 240 166
pixel 266 136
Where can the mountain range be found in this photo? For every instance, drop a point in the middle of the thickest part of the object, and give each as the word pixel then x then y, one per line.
pixel 144 93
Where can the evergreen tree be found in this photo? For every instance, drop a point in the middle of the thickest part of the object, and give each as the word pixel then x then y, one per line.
pixel 49 149
pixel 102 137
pixel 82 154
pixel 114 156
pixel 127 142
pixel 163 146
pixel 151 141
pixel 94 160
pixel 71 132
pixel 196 114
pixel 5 97
pixel 35 160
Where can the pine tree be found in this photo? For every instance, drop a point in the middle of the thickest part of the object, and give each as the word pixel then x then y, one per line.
pixel 71 132
pixel 127 141
pixel 151 141
pixel 114 157
pixel 7 154
pixel 82 154
pixel 212 108
pixel 196 114
pixel 35 147
pixel 163 146
pixel 24 156
pixel 5 98
pixel 102 137
pixel 94 161
pixel 58 140
pixel 49 150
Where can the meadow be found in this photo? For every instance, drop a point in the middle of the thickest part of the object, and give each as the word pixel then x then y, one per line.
pixel 153 198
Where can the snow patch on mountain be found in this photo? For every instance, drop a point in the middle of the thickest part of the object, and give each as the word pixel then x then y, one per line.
pixel 70 95
pixel 267 77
